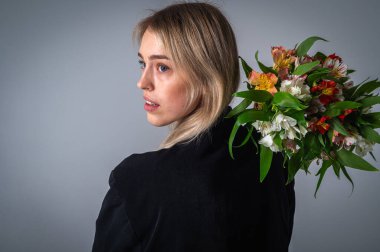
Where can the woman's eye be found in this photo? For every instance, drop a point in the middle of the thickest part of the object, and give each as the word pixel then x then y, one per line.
pixel 163 68
pixel 142 64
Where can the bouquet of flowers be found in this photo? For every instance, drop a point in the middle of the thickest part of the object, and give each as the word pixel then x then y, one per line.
pixel 306 107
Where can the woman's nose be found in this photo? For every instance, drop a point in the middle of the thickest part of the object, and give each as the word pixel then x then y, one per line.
pixel 145 81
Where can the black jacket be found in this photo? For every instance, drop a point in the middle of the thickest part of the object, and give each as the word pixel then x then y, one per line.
pixel 194 197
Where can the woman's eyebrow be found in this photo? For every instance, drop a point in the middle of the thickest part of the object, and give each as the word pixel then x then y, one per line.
pixel 154 56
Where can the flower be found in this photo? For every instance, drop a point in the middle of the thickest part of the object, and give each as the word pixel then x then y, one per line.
pixel 295 86
pixel 345 113
pixel 282 60
pixel 363 146
pixel 264 127
pixel 338 138
pixel 333 62
pixel 288 125
pixel 349 140
pixel 307 114
pixel 328 90
pixel 303 60
pixel 290 145
pixel 320 125
pixel 263 81
pixel 267 141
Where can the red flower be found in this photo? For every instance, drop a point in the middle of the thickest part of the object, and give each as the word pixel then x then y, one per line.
pixel 333 57
pixel 345 113
pixel 320 125
pixel 328 91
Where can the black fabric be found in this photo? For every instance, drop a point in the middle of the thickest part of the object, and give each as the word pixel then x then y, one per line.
pixel 194 197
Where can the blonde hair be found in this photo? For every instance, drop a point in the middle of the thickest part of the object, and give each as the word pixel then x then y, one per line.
pixel 201 43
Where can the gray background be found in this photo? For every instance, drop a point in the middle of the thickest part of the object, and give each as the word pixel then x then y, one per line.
pixel 70 112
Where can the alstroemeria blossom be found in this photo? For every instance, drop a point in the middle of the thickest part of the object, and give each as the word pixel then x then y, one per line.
pixel 329 91
pixel 263 81
pixel 268 142
pixel 282 60
pixel 338 69
pixel 289 127
pixel 363 146
pixel 320 124
pixel 264 127
pixel 295 86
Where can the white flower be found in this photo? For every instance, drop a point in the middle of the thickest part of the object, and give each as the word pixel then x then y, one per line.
pixel 282 121
pixel 268 142
pixel 295 86
pixel 289 126
pixel 363 146
pixel 303 130
pixel 338 69
pixel 264 127
pixel 349 140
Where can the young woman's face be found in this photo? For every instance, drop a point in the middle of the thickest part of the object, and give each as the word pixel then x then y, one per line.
pixel 163 85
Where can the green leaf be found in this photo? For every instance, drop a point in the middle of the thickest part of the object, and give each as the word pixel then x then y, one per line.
pixel 347 158
pixel 372 155
pixel 321 140
pixel 336 125
pixel 348 177
pixel 325 165
pixel 255 95
pixel 239 108
pixel 336 109
pixel 370 134
pixel 247 69
pixel 305 45
pixel 373 116
pixel 263 68
pixel 350 71
pixel 304 68
pixel 336 168
pixel 330 134
pixel 312 146
pixel 299 116
pixel 232 138
pixel 367 88
pixel 266 156
pixel 318 74
pixel 370 101
pixel 250 115
pixel 345 105
pixel 247 137
pixel 286 100
pixel 293 166
pixel 320 56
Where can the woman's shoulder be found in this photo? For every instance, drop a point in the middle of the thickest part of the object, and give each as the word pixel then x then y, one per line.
pixel 148 164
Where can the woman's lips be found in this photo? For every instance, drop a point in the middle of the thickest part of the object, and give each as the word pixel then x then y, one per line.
pixel 150 105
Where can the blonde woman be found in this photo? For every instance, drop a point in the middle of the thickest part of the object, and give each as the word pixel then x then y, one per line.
pixel 190 195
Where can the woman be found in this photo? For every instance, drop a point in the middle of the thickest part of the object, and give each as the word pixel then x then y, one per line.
pixel 190 195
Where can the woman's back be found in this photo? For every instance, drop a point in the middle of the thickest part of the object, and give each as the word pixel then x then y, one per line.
pixel 194 197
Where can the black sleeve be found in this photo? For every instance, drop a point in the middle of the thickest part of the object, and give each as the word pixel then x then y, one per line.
pixel 279 208
pixel 114 232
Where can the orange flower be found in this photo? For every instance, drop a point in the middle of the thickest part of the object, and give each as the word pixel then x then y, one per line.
pixel 263 81
pixel 282 60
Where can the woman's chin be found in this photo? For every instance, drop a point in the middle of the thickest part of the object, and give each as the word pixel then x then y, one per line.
pixel 156 121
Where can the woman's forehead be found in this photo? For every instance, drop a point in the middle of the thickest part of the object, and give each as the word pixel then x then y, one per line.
pixel 151 44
